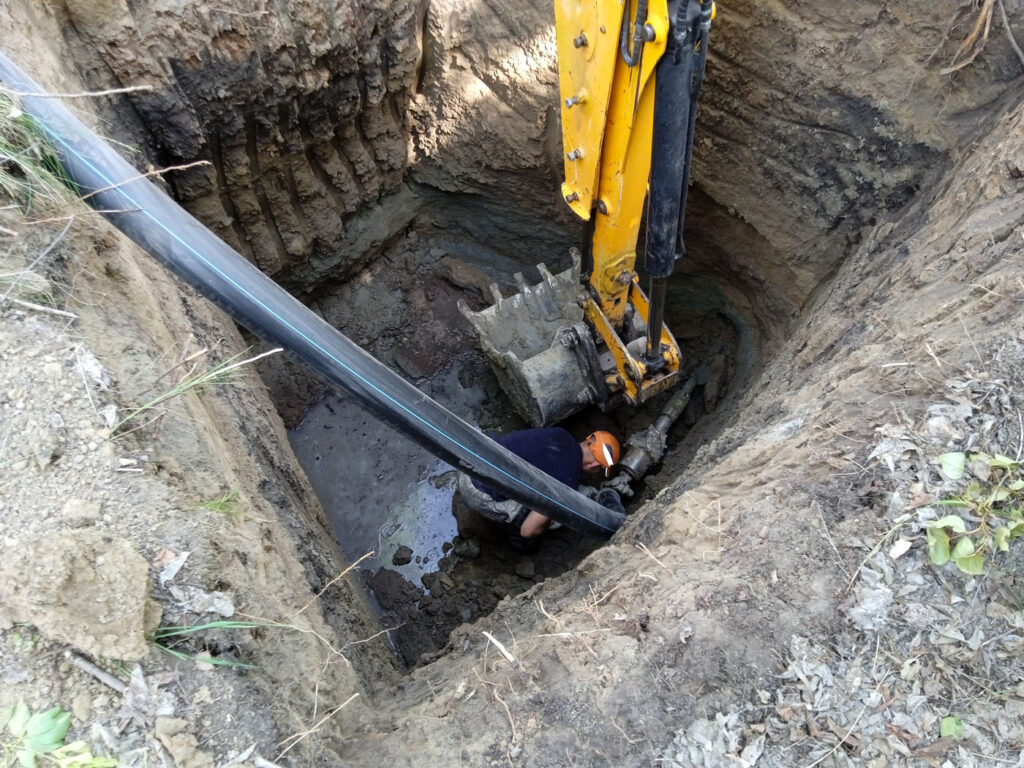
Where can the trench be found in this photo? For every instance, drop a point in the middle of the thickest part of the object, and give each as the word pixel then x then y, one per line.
pixel 783 187
pixel 426 562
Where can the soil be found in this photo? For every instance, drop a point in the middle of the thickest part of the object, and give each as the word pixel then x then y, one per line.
pixel 854 272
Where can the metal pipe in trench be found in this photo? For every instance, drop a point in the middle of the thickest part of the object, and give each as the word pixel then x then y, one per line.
pixel 197 256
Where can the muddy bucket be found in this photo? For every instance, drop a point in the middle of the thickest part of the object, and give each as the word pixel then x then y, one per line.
pixel 540 347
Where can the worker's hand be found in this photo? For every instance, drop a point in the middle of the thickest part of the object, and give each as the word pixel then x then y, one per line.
pixel 619 484
pixel 589 491
pixel 609 499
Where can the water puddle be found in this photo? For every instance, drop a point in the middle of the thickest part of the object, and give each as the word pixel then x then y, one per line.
pixel 381 491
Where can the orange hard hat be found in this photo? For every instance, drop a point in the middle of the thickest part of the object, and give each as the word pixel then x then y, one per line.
pixel 604 448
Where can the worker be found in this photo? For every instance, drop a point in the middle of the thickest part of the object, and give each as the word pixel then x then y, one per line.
pixel 552 450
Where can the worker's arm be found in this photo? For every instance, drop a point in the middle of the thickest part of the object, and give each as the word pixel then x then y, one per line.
pixel 534 525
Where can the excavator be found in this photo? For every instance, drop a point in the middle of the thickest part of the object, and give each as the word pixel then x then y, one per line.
pixel 630 72
pixel 629 75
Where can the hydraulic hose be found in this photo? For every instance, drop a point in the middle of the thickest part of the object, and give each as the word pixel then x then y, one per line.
pixel 678 78
pixel 193 253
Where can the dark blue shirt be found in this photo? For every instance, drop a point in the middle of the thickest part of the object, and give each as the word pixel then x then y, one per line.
pixel 552 450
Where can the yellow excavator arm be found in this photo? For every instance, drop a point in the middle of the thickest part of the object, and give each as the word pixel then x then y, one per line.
pixel 607 118
pixel 629 73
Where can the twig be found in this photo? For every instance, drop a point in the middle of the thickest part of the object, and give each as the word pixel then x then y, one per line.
pixel 619 729
pixel 1009 32
pixel 373 636
pixel 155 172
pixel 82 95
pixel 85 381
pixel 831 543
pixel 104 677
pixel 41 308
pixel 643 548
pixel 502 649
pixel 968 334
pixel 295 738
pixel 900 522
pixel 36 260
pixel 330 583
pixel 852 727
pixel 508 712
pixel 1020 436
pixel 980 29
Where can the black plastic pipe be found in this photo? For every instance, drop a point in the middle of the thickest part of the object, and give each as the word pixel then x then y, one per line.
pixel 201 259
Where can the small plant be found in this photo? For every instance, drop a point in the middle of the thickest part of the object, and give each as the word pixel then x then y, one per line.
pixel 28 740
pixel 224 505
pixel 29 168
pixel 165 637
pixel 219 374
pixel 990 511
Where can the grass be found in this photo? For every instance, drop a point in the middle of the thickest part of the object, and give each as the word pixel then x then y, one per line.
pixel 164 638
pixel 224 505
pixel 29 168
pixel 218 374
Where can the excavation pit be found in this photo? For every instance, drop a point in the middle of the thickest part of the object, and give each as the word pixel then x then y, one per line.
pixel 852 253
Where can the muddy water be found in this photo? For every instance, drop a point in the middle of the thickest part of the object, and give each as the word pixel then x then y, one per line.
pixel 381 491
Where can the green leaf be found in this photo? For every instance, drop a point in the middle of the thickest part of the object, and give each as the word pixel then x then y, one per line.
pixel 27 758
pixel 973 565
pixel 938 546
pixel 952 464
pixel 964 548
pixel 46 730
pixel 949 521
pixel 1016 530
pixel 998 495
pixel 1016 485
pixel 951 726
pixel 1003 462
pixel 1001 536
pixel 19 719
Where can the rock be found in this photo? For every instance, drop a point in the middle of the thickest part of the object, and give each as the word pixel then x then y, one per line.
pixel 82 588
pixel 468 548
pixel 184 747
pixel 402 556
pixel 464 275
pixel 411 361
pixel 79 513
pixel 525 568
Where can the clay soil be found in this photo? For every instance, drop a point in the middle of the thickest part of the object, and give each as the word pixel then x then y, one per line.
pixel 770 600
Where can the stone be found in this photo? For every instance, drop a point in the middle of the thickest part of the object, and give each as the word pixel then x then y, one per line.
pixel 525 568
pixel 184 747
pixel 468 548
pixel 402 556
pixel 79 513
pixel 82 588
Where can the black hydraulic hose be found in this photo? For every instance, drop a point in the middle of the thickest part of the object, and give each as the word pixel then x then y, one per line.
pixel 678 75
pixel 632 59
pixel 197 256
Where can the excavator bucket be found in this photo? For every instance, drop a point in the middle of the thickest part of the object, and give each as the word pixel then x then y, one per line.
pixel 540 347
